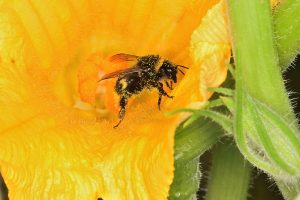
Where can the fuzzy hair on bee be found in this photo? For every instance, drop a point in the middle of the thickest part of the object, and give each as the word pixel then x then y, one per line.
pixel 149 72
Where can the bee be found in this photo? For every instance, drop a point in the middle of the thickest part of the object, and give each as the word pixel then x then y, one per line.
pixel 149 72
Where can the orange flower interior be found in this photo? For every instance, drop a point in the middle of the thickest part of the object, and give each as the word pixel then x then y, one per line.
pixel 56 133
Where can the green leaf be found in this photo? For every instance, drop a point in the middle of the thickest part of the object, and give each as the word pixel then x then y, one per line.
pixel 180 111
pixel 224 91
pixel 214 103
pixel 229 103
pixel 241 137
pixel 224 121
pixel 267 141
pixel 288 129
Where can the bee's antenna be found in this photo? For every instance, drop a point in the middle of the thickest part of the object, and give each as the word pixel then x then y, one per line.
pixel 183 66
pixel 100 80
pixel 181 71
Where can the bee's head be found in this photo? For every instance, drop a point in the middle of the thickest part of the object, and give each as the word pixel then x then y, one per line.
pixel 169 70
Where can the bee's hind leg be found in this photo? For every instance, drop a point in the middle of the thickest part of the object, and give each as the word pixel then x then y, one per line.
pixel 123 103
pixel 162 92
pixel 159 101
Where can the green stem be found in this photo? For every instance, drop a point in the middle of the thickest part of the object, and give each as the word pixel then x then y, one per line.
pixel 257 71
pixel 186 181
pixel 230 174
pixel 255 55
pixel 240 15
pixel 287 30
pixel 191 142
pixel 220 118
pixel 196 138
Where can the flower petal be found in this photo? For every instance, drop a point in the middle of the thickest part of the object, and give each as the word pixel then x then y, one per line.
pixel 72 158
pixel 210 48
pixel 49 149
pixel 137 28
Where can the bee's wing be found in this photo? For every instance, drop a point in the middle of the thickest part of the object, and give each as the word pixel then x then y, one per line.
pixel 120 73
pixel 122 57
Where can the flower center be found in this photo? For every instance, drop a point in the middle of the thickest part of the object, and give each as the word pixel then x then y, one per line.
pixel 94 94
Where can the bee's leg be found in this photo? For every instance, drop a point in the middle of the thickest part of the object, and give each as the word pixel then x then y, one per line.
pixel 161 93
pixel 123 103
pixel 169 85
pixel 159 101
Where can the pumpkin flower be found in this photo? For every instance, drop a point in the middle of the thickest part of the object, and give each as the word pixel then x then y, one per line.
pixel 56 123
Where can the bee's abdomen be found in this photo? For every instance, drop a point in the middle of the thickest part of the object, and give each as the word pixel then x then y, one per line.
pixel 121 86
pixel 129 85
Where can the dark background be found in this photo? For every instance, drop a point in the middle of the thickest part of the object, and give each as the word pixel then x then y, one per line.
pixel 292 77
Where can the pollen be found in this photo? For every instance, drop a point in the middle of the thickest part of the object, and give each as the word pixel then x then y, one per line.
pixel 124 84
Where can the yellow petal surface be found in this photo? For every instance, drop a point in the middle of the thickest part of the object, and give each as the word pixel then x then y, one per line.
pixel 57 140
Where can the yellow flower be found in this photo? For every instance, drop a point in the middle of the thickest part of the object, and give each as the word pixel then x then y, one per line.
pixel 57 140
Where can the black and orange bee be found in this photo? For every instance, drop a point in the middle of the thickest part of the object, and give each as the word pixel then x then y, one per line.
pixel 149 72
